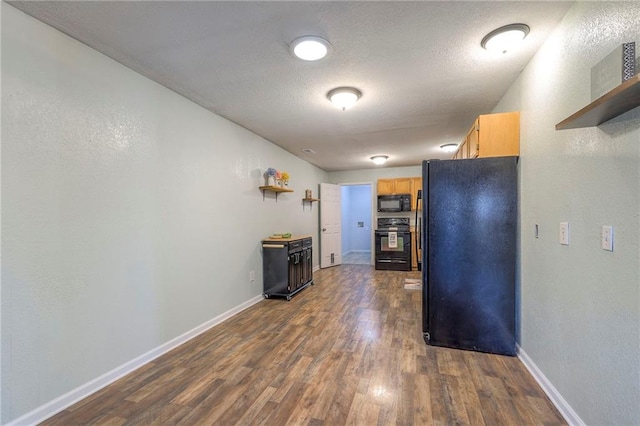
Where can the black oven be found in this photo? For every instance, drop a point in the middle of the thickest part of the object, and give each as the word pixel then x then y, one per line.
pixel 393 244
pixel 394 203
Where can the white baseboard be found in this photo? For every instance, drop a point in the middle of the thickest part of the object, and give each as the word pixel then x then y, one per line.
pixel 561 404
pixel 55 406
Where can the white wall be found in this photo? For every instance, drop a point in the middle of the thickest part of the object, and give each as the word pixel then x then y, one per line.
pixel 580 305
pixel 130 215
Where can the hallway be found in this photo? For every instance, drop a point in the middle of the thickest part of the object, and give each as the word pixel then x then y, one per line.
pixel 357 258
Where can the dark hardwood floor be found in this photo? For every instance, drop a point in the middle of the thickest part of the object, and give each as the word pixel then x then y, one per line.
pixel 347 350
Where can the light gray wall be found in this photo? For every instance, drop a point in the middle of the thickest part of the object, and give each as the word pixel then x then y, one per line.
pixel 372 176
pixel 130 215
pixel 580 305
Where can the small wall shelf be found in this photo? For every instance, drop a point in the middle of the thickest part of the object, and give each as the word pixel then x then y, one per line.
pixel 276 189
pixel 310 201
pixel 614 103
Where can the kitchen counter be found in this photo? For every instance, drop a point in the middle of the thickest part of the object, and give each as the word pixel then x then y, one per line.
pixel 285 240
pixel 287 265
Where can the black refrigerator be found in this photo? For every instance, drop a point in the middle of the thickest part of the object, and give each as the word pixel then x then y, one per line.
pixel 469 231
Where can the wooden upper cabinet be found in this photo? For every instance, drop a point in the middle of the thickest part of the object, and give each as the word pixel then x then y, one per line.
pixel 386 186
pixel 416 184
pixel 499 135
pixel 394 186
pixel 492 135
pixel 403 185
pixel 472 141
pixel 464 150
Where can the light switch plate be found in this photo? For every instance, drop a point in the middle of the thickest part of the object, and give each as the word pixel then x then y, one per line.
pixel 607 238
pixel 564 233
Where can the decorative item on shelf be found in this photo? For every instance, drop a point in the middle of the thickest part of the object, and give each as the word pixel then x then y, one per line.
pixel 285 179
pixel 307 193
pixel 278 178
pixel 270 176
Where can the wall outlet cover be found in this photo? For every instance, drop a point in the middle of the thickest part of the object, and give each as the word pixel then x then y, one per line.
pixel 564 233
pixel 607 238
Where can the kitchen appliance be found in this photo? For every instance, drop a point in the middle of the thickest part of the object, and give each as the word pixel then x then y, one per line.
pixel 394 203
pixel 469 218
pixel 393 244
pixel 418 222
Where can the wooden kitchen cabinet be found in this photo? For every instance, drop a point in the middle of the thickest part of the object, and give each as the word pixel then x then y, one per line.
pixel 394 186
pixel 403 185
pixel 472 142
pixel 386 186
pixel 416 184
pixel 492 135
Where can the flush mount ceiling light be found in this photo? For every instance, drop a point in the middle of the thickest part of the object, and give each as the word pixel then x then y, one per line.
pixel 449 147
pixel 379 159
pixel 505 38
pixel 310 48
pixel 344 97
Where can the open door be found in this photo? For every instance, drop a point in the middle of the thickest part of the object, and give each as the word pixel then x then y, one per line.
pixel 330 226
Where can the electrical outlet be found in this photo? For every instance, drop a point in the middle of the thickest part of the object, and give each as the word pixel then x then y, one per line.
pixel 252 276
pixel 607 238
pixel 564 233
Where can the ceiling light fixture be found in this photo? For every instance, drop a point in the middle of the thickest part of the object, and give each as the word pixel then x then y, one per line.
pixel 344 97
pixel 505 38
pixel 310 48
pixel 449 147
pixel 379 159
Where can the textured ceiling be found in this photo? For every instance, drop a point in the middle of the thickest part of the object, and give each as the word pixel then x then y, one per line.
pixel 419 65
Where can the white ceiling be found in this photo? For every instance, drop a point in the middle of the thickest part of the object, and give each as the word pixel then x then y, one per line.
pixel 419 65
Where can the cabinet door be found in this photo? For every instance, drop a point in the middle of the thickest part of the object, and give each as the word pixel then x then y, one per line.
pixel 416 184
pixel 386 186
pixel 472 141
pixel 464 149
pixel 403 186
pixel 499 134
pixel 458 154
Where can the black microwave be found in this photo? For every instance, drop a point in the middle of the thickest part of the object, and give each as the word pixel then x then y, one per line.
pixel 394 203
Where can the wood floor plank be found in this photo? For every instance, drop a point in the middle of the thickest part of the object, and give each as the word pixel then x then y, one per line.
pixel 348 350
pixel 421 401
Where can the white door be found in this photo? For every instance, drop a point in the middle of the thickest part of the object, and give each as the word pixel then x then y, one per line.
pixel 330 225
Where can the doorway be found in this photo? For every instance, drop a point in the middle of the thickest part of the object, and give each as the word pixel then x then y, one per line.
pixel 357 229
